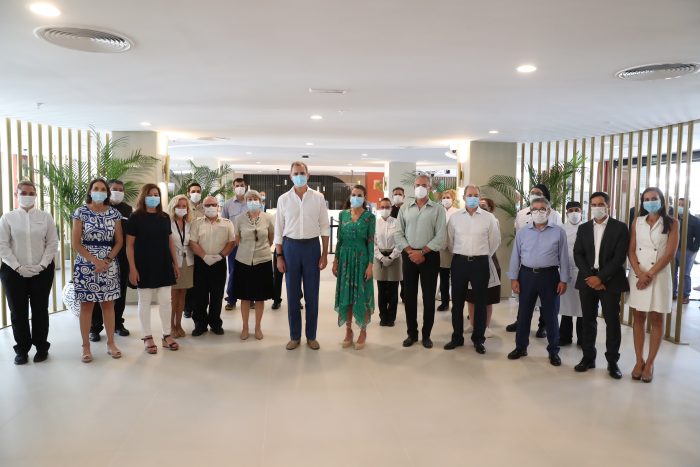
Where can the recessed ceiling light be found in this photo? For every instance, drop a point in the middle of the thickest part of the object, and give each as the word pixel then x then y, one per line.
pixel 364 155
pixel 309 144
pixel 44 9
pixel 249 153
pixel 493 132
pixel 145 123
pixel 317 117
pixel 526 68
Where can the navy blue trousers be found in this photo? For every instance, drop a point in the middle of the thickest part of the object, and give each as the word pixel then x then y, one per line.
pixel 542 284
pixel 231 260
pixel 301 258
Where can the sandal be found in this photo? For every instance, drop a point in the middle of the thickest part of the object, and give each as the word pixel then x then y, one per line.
pixel 151 349
pixel 87 356
pixel 361 345
pixel 258 334
pixel 181 332
pixel 638 376
pixel 170 345
pixel 114 353
pixel 348 342
pixel 245 334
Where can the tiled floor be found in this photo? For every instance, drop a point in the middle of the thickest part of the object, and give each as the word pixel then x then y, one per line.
pixel 221 401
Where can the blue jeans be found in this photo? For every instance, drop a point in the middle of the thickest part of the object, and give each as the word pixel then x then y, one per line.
pixel 689 261
pixel 231 259
pixel 301 258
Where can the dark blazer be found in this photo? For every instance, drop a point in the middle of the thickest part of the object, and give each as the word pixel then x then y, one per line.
pixel 693 232
pixel 612 257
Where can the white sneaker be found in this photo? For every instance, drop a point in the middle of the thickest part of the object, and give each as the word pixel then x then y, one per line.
pixel 488 333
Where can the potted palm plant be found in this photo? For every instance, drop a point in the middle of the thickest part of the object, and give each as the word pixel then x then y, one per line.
pixel 210 180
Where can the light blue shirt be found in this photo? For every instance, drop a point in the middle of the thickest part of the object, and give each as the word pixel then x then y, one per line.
pixel 536 248
pixel 233 208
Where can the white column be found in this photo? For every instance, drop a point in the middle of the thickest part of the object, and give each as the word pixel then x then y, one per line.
pixel 395 173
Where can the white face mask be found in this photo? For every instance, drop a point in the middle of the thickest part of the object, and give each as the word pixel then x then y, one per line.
pixel 195 197
pixel 447 203
pixel 539 217
pixel 420 192
pixel 384 213
pixel 398 199
pixel 574 217
pixel 26 201
pixel 534 197
pixel 240 190
pixel 599 212
pixel 180 212
pixel 117 197
pixel 211 211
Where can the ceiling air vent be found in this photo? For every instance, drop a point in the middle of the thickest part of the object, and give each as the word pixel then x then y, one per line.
pixel 658 71
pixel 86 40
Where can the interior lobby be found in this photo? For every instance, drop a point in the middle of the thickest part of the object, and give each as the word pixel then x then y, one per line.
pixel 500 95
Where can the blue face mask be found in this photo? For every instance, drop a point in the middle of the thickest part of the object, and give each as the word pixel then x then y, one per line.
pixel 299 180
pixel 680 211
pixel 253 206
pixel 356 201
pixel 472 202
pixel 652 207
pixel 152 201
pixel 98 196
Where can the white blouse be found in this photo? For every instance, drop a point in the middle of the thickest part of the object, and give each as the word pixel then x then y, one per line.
pixel 384 237
pixel 28 238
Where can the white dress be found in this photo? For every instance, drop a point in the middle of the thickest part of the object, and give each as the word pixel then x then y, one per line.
pixel 651 245
pixel 570 303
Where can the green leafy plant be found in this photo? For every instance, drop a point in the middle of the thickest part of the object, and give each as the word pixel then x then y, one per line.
pixel 210 179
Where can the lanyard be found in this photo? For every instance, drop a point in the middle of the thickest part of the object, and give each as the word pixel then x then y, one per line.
pixel 181 234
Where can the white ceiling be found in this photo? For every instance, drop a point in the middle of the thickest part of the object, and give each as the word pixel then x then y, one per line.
pixel 418 74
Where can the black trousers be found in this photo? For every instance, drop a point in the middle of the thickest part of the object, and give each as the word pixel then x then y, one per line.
pixel 388 298
pixel 209 285
pixel 119 304
pixel 445 285
pixel 23 293
pixel 464 272
pixel 610 302
pixel 542 285
pixel 566 329
pixel 427 274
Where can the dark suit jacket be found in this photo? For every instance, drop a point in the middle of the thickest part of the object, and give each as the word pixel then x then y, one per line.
pixel 693 232
pixel 612 257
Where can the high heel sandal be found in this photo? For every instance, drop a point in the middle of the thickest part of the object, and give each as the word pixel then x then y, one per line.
pixel 638 376
pixel 114 354
pixel 347 343
pixel 650 378
pixel 181 332
pixel 172 345
pixel 150 349
pixel 361 345
pixel 245 334
pixel 87 357
pixel 258 334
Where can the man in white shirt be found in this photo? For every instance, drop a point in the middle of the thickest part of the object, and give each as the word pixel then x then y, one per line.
pixel 232 209
pixel 28 245
pixel 301 218
pixel 473 237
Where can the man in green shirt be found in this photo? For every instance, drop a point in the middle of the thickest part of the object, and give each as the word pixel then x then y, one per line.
pixel 420 236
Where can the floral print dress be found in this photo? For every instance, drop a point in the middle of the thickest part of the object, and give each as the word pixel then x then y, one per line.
pixel 354 250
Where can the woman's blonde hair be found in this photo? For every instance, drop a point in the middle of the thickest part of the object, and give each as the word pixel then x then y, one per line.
pixel 173 203
pixel 453 196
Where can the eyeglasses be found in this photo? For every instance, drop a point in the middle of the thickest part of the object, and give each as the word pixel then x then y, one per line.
pixel 541 210
pixel 211 205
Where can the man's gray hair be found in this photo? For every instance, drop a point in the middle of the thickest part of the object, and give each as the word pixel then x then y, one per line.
pixel 425 176
pixel 544 201
pixel 471 185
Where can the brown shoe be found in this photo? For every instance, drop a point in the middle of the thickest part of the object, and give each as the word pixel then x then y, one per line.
pixel 291 345
pixel 313 344
pixel 686 300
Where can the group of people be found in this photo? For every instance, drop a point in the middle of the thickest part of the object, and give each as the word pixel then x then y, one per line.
pixel 179 255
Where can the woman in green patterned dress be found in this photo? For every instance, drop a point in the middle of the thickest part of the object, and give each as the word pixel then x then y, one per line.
pixel 354 291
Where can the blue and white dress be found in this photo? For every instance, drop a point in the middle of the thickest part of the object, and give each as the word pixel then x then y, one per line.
pixel 98 238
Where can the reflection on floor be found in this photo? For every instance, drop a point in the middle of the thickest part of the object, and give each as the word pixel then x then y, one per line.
pixel 222 401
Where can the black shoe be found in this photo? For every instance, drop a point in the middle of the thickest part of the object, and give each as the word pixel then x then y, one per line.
pixel 276 305
pixel 427 343
pixel 516 354
pixel 40 356
pixel 21 359
pixel 188 314
pixel 122 331
pixel 564 343
pixel 453 345
pixel 218 331
pixel 555 360
pixel 409 341
pixel 614 371
pixel 512 327
pixel 443 307
pixel 94 337
pixel 480 349
pixel 198 332
pixel 541 333
pixel 585 365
